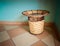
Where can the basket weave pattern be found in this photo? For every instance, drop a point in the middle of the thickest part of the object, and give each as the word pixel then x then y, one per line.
pixel 36 27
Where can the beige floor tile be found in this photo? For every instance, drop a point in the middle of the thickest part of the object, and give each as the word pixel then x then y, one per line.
pixel 49 41
pixel 43 35
pixel 4 36
pixel 10 27
pixel 39 43
pixel 25 39
pixel 7 43
pixel 15 32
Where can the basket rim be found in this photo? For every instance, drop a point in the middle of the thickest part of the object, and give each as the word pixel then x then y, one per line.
pixel 40 12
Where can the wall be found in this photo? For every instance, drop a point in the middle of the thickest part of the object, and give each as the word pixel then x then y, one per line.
pixel 12 10
pixel 57 16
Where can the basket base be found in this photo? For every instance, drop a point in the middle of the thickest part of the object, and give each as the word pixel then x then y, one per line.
pixel 36 33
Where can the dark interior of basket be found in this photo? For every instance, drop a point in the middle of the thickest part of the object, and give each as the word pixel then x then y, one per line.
pixel 35 15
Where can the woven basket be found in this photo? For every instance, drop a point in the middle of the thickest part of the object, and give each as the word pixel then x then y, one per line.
pixel 36 20
pixel 36 27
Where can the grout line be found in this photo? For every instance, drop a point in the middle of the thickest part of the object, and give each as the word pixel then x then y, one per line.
pixel 44 43
pixel 13 42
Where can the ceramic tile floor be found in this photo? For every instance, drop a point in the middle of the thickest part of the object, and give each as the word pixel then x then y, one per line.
pixel 19 36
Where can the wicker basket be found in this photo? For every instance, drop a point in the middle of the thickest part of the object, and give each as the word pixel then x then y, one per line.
pixel 36 20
